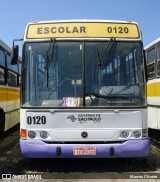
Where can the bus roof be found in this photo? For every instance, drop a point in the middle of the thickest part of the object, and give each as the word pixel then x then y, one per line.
pixel 82 29
pixel 152 43
pixel 5 46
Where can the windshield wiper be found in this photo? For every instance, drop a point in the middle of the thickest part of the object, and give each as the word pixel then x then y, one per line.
pixel 105 52
pixel 49 57
pixel 100 60
pixel 107 96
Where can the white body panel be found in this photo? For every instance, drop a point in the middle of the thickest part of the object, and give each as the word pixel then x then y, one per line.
pixel 64 125
pixel 154 105
pixel 153 117
pixel 12 114
pixel 12 118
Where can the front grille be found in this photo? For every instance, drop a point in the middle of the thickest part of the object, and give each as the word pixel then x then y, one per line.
pixel 86 142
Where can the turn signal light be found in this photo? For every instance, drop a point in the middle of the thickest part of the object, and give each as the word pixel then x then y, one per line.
pixel 23 133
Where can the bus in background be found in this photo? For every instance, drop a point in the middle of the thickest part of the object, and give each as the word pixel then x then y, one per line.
pixel 9 89
pixel 83 90
pixel 153 86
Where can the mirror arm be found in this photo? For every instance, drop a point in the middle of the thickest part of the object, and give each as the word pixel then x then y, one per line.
pixel 16 40
pixel 14 52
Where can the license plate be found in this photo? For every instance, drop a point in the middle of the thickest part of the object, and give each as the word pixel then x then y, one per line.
pixel 84 151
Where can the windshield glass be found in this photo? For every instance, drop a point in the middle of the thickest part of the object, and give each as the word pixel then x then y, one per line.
pixel 80 74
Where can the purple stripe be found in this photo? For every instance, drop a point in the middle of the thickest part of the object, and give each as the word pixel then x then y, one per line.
pixel 40 149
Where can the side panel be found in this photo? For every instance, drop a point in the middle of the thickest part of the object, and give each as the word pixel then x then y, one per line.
pixel 152 117
pixel 3 107
pixel 158 117
pixel 153 99
pixel 3 98
pixel 12 107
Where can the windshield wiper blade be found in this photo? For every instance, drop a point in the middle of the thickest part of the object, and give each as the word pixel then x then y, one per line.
pixel 107 96
pixel 106 51
pixel 50 53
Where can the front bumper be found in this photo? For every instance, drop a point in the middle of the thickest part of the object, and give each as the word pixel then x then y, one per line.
pixel 126 149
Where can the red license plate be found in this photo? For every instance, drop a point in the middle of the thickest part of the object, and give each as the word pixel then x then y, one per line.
pixel 84 151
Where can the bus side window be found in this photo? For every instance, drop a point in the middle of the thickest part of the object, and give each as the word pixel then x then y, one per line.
pixel 2 67
pixel 158 62
pixel 151 57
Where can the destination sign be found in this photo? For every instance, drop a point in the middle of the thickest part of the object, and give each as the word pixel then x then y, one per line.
pixel 82 30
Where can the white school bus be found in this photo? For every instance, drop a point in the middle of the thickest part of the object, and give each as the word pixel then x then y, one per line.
pixel 83 92
pixel 153 85
pixel 9 89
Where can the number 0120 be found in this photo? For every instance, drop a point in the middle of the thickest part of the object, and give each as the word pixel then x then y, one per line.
pixel 117 30
pixel 36 120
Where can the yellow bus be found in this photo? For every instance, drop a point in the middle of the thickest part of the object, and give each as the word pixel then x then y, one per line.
pixel 9 89
pixel 153 86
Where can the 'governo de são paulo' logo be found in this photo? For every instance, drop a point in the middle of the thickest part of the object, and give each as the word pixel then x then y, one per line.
pixel 72 118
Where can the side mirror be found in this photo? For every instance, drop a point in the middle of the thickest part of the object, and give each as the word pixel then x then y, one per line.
pixel 14 54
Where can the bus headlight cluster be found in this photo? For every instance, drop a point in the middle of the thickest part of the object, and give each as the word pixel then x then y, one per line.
pixel 44 134
pixel 137 133
pixel 124 134
pixel 32 134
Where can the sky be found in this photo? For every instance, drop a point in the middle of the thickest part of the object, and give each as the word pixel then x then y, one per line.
pixel 15 14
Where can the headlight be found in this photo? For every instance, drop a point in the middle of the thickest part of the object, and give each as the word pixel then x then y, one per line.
pixel 32 134
pixel 44 134
pixel 137 133
pixel 124 134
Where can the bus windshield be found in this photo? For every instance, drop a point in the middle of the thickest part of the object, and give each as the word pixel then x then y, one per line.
pixel 83 73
